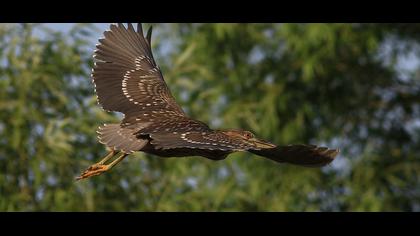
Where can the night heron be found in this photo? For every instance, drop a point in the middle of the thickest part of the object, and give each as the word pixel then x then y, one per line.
pixel 128 80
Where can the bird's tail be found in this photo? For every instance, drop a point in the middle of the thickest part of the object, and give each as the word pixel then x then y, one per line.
pixel 120 139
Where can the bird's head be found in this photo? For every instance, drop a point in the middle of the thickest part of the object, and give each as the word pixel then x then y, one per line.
pixel 248 138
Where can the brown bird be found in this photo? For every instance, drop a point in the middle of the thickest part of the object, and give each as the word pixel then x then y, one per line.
pixel 128 80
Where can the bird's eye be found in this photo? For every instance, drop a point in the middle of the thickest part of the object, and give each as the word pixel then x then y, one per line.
pixel 248 135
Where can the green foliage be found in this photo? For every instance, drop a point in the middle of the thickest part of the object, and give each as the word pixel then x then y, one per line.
pixel 332 84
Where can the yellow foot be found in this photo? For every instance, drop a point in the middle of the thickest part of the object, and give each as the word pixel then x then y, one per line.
pixel 93 170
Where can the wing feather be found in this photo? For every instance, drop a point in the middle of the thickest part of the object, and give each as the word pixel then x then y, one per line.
pixel 206 140
pixel 126 76
pixel 303 155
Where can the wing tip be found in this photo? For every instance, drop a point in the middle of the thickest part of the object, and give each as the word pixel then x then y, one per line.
pixel 300 154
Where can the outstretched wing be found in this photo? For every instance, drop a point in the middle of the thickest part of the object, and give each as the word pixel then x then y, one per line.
pixel 303 155
pixel 126 76
pixel 205 139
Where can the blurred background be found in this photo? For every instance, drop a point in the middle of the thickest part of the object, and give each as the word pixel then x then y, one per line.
pixel 350 86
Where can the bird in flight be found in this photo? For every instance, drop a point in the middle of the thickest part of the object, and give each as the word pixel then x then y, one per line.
pixel 128 80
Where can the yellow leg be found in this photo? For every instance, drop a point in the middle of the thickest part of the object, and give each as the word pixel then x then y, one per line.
pixel 99 168
pixel 107 157
pixel 116 161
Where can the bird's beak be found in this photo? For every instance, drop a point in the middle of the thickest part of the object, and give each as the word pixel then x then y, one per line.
pixel 262 144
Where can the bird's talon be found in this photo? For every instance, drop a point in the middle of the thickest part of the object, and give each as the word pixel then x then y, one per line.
pixel 94 167
pixel 93 170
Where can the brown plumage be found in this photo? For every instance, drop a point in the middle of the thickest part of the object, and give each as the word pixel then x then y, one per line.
pixel 128 80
